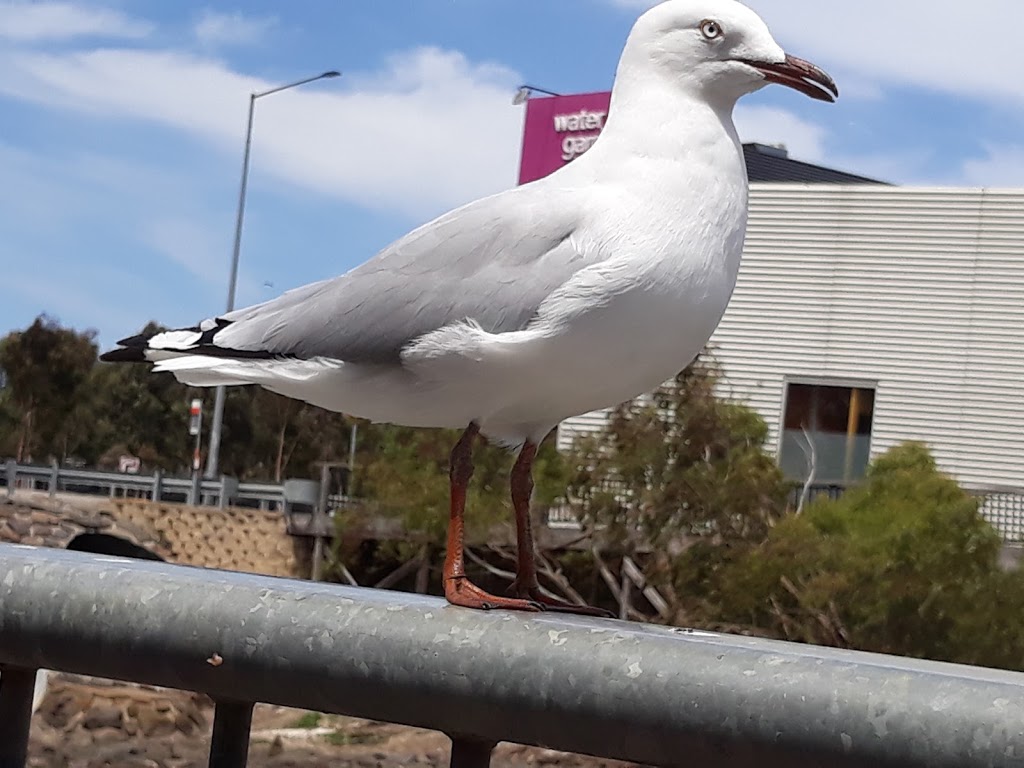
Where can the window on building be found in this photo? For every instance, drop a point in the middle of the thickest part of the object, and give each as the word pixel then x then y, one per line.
pixel 837 419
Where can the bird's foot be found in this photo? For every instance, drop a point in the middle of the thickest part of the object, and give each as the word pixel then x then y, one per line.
pixel 553 604
pixel 461 591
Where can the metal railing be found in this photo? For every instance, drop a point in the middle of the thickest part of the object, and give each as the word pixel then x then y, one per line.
pixel 1004 509
pixel 654 695
pixel 1002 506
pixel 157 486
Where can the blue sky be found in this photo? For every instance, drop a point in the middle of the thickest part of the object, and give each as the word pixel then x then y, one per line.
pixel 121 128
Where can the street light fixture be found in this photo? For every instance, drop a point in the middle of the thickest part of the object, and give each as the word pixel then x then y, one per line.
pixel 525 91
pixel 213 456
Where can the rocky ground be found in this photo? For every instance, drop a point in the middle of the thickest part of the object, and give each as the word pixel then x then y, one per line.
pixel 95 724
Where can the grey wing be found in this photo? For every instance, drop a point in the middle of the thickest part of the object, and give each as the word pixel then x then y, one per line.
pixel 493 261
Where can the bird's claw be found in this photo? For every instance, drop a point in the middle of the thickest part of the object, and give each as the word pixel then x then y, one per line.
pixel 534 605
pixel 461 591
pixel 533 594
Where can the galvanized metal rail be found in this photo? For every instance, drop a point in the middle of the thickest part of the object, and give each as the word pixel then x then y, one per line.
pixel 162 487
pixel 653 695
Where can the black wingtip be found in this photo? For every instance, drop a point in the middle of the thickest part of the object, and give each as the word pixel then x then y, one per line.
pixel 125 355
pixel 130 350
pixel 138 340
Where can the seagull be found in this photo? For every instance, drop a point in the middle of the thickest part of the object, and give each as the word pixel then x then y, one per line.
pixel 572 293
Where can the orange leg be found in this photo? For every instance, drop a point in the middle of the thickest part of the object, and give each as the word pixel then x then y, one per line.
pixel 458 589
pixel 526 584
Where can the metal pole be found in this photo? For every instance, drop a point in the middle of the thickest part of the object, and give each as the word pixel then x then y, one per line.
pixel 471 753
pixel 320 522
pixel 229 747
pixel 213 460
pixel 351 458
pixel 158 482
pixel 213 457
pixel 12 476
pixel 17 686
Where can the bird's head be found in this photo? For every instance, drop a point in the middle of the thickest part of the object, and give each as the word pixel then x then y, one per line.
pixel 719 48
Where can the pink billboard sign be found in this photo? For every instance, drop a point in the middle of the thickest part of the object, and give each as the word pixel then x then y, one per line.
pixel 559 129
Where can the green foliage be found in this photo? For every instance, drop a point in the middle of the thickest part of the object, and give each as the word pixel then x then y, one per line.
pixel 308 720
pixel 902 564
pixel 685 475
pixel 342 738
pixel 405 472
pixel 272 437
pixel 136 411
pixel 685 464
pixel 45 367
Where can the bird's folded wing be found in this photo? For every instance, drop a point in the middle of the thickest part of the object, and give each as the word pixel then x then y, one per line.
pixel 492 262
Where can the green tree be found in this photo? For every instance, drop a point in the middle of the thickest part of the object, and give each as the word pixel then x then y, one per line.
pixel 272 437
pixel 45 367
pixel 902 564
pixel 683 475
pixel 142 413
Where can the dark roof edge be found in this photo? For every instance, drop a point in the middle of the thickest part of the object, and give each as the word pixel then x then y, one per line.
pixel 766 163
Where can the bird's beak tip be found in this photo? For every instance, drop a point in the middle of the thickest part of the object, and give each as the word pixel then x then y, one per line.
pixel 800 75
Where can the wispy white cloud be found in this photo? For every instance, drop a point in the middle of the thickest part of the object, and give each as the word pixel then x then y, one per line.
pixel 1002 165
pixel 28 22
pixel 108 242
pixel 214 28
pixel 432 130
pixel 188 244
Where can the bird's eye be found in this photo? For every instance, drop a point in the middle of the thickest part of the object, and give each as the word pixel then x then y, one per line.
pixel 711 30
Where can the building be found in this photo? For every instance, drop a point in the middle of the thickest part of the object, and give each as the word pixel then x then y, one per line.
pixel 871 315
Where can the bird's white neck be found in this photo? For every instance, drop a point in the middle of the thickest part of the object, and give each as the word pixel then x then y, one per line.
pixel 660 120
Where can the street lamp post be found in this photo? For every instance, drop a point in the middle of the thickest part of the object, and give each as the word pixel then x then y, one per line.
pixel 213 456
pixel 525 91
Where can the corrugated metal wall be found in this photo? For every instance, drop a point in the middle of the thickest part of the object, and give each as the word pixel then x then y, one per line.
pixel 918 290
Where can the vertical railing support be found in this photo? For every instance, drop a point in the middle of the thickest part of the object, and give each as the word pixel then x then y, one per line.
pixel 471 753
pixel 54 478
pixel 229 747
pixel 158 484
pixel 12 476
pixel 17 686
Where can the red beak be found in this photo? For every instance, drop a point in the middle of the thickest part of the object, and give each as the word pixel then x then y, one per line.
pixel 801 75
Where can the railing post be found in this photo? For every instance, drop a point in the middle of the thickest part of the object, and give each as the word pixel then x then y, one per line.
pixel 229 747
pixel 222 496
pixel 12 476
pixel 54 477
pixel 17 686
pixel 471 753
pixel 158 484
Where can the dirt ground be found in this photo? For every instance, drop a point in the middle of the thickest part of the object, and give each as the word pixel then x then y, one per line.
pixel 98 724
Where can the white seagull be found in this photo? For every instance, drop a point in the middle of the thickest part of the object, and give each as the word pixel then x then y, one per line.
pixel 572 293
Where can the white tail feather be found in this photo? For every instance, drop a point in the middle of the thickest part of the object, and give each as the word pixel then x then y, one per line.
pixel 204 371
